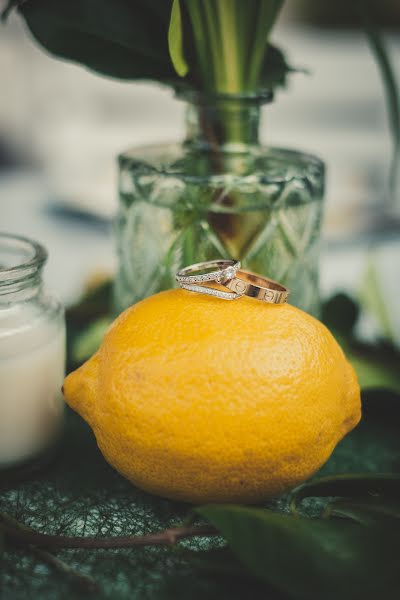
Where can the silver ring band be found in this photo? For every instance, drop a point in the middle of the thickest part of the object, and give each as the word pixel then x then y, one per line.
pixel 226 270
pixel 203 289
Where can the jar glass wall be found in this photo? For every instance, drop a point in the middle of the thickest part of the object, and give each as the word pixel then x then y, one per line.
pixel 32 353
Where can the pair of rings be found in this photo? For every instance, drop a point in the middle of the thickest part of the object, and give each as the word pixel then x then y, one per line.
pixel 228 274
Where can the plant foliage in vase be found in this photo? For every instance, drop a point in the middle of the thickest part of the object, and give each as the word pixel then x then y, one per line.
pixel 214 45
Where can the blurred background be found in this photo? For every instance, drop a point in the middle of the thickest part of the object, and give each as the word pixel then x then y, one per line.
pixel 61 128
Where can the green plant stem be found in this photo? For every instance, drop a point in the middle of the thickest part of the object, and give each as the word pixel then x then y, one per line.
pixel 229 40
pixel 230 58
pixel 391 87
pixel 392 99
pixel 214 41
pixel 203 52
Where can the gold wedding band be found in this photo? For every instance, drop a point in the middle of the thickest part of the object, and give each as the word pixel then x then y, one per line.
pixel 246 283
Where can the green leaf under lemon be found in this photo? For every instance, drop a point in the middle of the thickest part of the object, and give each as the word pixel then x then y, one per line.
pixel 311 559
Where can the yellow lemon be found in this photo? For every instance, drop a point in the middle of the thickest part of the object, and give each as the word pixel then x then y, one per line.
pixel 200 399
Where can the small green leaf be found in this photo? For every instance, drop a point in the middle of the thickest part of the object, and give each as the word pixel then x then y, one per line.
pixel 367 511
pixel 340 313
pixel 311 559
pixel 175 40
pixel 275 69
pixel 361 484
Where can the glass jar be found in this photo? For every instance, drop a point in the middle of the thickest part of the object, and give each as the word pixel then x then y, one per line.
pixel 220 194
pixel 32 354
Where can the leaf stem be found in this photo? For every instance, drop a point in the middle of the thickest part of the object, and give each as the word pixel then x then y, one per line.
pixel 19 533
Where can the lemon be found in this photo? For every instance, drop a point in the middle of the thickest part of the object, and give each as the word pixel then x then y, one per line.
pixel 204 400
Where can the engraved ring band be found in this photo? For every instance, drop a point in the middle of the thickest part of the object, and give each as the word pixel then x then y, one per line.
pixel 256 286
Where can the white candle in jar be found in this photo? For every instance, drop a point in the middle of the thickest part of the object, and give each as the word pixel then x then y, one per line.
pixel 32 354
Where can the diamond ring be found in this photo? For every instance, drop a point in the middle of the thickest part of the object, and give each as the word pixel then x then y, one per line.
pixel 193 277
pixel 223 270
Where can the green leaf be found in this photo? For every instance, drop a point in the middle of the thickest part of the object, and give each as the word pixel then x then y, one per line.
pixel 122 39
pixel 275 69
pixel 217 560
pixel 175 40
pixel 310 558
pixel 340 313
pixel 367 511
pixel 361 484
pixel 144 39
pixel 223 565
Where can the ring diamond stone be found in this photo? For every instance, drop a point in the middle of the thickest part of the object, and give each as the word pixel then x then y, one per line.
pixel 222 270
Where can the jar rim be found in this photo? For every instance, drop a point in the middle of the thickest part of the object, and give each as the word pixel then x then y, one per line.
pixel 34 259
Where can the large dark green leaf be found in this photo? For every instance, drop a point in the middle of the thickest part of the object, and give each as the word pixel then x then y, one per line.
pixel 223 565
pixel 121 38
pixel 311 558
pixel 125 39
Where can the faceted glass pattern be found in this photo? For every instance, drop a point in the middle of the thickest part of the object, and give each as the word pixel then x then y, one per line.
pixel 264 210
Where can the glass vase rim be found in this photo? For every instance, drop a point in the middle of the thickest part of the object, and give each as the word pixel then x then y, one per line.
pixel 35 257
pixel 206 97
